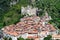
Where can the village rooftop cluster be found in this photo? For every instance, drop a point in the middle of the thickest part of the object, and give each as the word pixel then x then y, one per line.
pixel 30 27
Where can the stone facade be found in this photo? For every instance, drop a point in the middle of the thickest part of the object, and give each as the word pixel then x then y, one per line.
pixel 28 10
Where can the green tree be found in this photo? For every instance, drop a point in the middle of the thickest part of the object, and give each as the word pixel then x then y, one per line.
pixel 48 37
pixel 20 38
pixel 5 38
pixel 29 39
pixel 10 38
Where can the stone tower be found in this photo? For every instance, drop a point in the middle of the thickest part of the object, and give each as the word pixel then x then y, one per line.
pixel 29 10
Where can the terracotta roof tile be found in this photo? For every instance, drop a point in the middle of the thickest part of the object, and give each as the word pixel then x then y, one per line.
pixel 30 26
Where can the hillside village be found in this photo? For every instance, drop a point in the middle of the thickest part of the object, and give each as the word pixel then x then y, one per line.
pixel 31 26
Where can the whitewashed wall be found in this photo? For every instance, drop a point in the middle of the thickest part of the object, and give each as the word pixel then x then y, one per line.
pixel 8 36
pixel 28 10
pixel 24 35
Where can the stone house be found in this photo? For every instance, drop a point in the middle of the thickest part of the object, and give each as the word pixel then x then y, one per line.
pixel 28 10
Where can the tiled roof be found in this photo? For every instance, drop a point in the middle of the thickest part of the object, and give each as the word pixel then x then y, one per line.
pixel 56 36
pixel 34 37
pixel 27 25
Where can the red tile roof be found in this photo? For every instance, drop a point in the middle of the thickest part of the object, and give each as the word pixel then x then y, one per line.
pixel 27 25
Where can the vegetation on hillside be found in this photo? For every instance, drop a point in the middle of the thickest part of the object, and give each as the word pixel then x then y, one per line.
pixel 20 38
pixel 12 14
pixel 53 9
